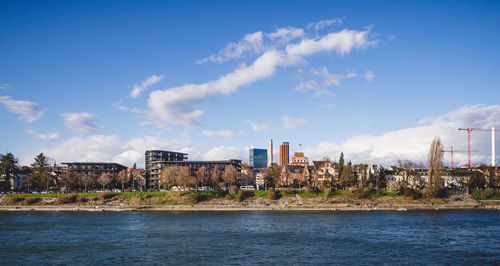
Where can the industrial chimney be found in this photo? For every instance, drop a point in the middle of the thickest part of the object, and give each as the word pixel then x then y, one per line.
pixel 270 152
pixel 493 161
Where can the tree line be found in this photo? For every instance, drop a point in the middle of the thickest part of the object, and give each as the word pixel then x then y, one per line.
pixel 41 176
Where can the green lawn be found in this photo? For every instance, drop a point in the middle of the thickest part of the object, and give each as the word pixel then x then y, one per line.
pixel 486 194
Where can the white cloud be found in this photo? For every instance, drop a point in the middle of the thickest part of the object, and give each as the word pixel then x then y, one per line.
pixel 222 133
pixel 285 35
pixel 328 105
pixel 258 127
pixel 109 148
pixel 293 122
pixel 27 111
pixel 225 153
pixel 150 81
pixel 49 136
pixel 369 75
pixel 81 123
pixel 175 105
pixel 324 23
pixel 319 87
pixel 252 42
pixel 413 143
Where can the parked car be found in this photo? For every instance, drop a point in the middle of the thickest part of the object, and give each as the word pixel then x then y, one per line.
pixel 247 188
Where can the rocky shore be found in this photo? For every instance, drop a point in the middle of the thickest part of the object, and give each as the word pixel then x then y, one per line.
pixel 263 204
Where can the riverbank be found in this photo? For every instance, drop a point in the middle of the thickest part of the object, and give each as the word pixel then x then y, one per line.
pixel 235 208
pixel 167 201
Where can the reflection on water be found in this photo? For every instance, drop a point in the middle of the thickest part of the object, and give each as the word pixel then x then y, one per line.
pixel 415 237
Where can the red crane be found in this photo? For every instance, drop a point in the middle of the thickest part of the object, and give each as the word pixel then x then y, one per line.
pixel 452 151
pixel 492 130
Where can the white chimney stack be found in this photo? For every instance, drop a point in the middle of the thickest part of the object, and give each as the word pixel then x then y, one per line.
pixel 493 161
pixel 270 152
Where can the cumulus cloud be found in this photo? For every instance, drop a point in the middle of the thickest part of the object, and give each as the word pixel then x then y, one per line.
pixel 413 143
pixel 150 81
pixel 258 127
pixel 41 136
pixel 293 122
pixel 225 153
pixel 27 111
pixel 222 133
pixel 81 123
pixel 324 80
pixel 252 42
pixel 110 148
pixel 176 105
pixel 369 75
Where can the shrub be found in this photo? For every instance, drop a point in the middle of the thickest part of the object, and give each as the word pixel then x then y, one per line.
pixel 66 199
pixel 411 193
pixel 456 198
pixel 198 197
pixel 81 199
pixel 31 200
pixel 309 188
pixel 486 194
pixel 361 194
pixel 16 199
pixel 105 196
pixel 432 192
pixel 272 195
pixel 394 187
pixel 240 196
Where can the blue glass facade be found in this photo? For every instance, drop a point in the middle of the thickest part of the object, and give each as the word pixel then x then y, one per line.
pixel 258 158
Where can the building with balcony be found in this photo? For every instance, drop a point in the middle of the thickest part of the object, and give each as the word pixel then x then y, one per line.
pixel 94 168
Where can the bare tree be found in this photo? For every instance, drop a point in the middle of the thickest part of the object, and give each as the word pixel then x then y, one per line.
pixel 272 175
pixel 248 177
pixel 168 177
pixel 215 175
pixel 184 178
pixel 203 176
pixel 230 176
pixel 28 180
pixel 85 179
pixel 67 179
pixel 123 177
pixel 434 166
pixel 104 179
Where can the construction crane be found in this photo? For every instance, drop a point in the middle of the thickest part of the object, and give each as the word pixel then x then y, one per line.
pixel 493 162
pixel 452 151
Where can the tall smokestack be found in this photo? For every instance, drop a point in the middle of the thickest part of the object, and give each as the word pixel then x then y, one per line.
pixel 493 161
pixel 270 152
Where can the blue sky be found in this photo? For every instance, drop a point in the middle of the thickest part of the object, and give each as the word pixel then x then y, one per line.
pixel 376 80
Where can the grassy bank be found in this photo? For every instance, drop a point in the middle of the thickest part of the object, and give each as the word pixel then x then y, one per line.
pixel 492 194
pixel 254 198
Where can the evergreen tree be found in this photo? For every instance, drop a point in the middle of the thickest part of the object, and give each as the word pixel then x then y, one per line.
pixel 341 164
pixel 8 169
pixel 41 170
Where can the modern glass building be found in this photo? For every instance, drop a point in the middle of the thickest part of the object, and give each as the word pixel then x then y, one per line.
pixel 258 158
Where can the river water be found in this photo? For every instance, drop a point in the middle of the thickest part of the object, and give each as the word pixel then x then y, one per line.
pixel 413 237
